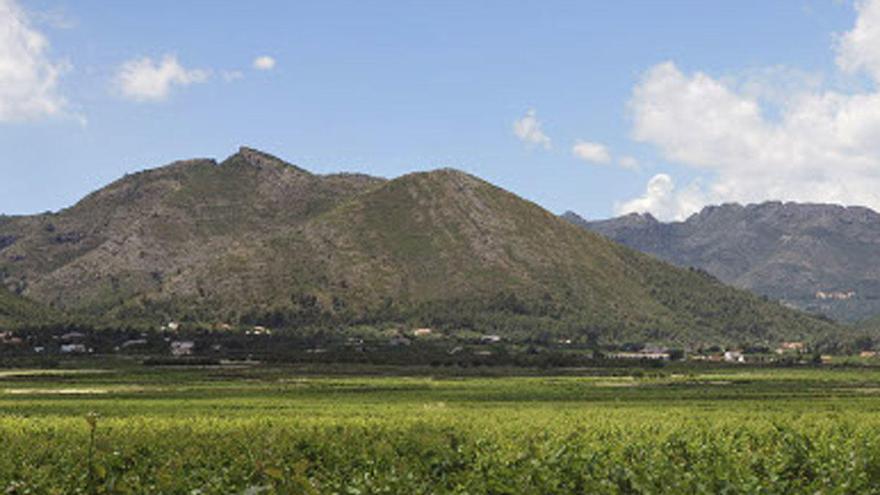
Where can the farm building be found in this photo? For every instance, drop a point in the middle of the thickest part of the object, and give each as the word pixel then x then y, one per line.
pixel 734 357
pixel 791 347
pixel 72 336
pixel 182 347
pixel 73 349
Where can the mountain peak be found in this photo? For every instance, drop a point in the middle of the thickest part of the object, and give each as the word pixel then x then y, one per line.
pixel 261 160
pixel 573 217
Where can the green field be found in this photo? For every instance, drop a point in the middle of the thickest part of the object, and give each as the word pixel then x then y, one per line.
pixel 256 429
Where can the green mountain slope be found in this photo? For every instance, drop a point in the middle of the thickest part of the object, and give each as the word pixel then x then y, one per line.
pixel 448 237
pixel 255 240
pixel 16 310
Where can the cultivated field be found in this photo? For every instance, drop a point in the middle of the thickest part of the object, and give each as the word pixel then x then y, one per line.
pixel 222 430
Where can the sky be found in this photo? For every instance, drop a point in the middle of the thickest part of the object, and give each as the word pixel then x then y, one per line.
pixel 603 108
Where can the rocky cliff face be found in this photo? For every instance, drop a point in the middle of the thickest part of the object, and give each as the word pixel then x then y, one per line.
pixel 821 258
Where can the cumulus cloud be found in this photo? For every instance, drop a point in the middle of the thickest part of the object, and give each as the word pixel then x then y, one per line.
pixel 818 145
pixel 28 76
pixel 859 49
pixel 662 200
pixel 144 79
pixel 264 62
pixel 528 130
pixel 591 152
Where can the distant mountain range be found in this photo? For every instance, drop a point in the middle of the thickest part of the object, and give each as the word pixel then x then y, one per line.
pixel 819 258
pixel 254 239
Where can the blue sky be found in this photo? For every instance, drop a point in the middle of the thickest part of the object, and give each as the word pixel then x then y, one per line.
pixel 392 87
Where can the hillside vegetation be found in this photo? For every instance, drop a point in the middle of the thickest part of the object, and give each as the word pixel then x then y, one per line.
pixel 16 311
pixel 258 241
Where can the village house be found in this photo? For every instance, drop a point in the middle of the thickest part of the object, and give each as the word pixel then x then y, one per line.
pixel 73 349
pixel 835 295
pixel 490 339
pixel 259 330
pixel 9 338
pixel 182 348
pixel 422 332
pixel 734 357
pixel 651 352
pixel 643 354
pixel 798 347
pixel 868 354
pixel 73 336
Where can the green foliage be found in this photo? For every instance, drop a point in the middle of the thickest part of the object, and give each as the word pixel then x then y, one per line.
pixel 16 311
pixel 267 430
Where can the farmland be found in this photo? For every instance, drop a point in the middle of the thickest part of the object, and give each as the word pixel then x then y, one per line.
pixel 92 427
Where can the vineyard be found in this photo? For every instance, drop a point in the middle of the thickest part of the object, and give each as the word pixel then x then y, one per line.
pixel 263 430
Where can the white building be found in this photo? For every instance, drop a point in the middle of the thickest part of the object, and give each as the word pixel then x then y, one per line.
pixel 73 348
pixel 734 357
pixel 182 347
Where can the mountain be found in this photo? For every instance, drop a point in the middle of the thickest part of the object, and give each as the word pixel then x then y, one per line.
pixel 253 239
pixel 819 258
pixel 148 232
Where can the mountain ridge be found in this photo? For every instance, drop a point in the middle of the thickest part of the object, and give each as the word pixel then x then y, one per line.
pixel 255 240
pixel 820 258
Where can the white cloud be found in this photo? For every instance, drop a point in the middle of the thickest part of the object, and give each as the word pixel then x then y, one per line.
pixel 264 62
pixel 859 49
pixel 815 145
pixel 591 152
pixel 628 163
pixel 528 130
pixel 663 201
pixel 776 85
pixel 28 77
pixel 143 79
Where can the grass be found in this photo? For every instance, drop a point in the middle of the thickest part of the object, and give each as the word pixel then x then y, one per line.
pixel 280 430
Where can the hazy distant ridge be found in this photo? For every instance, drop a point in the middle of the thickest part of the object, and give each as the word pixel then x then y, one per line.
pixel 822 258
